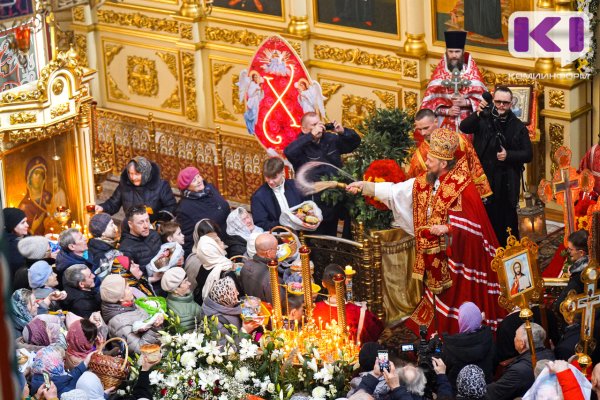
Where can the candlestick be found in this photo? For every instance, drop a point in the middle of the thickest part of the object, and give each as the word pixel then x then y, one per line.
pixel 338 281
pixel 275 293
pixel 306 282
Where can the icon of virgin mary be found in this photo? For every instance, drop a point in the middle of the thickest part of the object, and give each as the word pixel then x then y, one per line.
pixel 36 201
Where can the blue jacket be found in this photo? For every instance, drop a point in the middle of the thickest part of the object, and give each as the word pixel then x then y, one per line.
pixel 64 383
pixel 265 208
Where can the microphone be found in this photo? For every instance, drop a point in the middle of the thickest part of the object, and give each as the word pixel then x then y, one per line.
pixel 490 102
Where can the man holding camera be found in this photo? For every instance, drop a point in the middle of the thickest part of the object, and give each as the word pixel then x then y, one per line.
pixel 322 142
pixel 502 143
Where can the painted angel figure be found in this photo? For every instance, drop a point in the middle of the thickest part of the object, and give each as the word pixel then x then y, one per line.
pixel 275 62
pixel 251 92
pixel 310 96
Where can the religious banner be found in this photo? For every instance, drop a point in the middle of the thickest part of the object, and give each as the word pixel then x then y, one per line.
pixel 277 91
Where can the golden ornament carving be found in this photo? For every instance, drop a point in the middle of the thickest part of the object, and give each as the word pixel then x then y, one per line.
pixel 432 68
pixel 492 79
pixel 299 26
pixel 78 14
pixel 218 71
pixel 142 78
pixel 170 59
pixel 415 44
pixel 173 101
pixel 110 51
pixel 557 98
pixel 113 89
pixel 387 98
pixel 23 117
pixel 244 37
pixel 186 31
pixel 409 69
pixel 60 109
pixel 58 86
pixel 16 136
pixel 138 20
pixel 81 46
pixel 222 111
pixel 238 105
pixel 189 86
pixel 410 103
pixel 358 57
pixel 557 138
pixel 329 89
pixel 64 59
pixel 355 109
pixel 297 46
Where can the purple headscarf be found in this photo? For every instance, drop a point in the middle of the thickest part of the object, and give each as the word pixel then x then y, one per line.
pixel 469 317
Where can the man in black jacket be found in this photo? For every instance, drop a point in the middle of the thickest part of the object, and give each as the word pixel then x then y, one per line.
pixel 518 377
pixel 502 144
pixel 315 143
pixel 141 243
pixel 82 297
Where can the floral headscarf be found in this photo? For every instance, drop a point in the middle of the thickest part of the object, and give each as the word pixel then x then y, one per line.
pixel 236 227
pixel 20 313
pixel 49 359
pixel 224 292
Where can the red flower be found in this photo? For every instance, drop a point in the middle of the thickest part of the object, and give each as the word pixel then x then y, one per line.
pixel 163 392
pixel 383 171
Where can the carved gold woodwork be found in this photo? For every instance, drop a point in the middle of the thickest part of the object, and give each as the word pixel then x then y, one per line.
pixel 81 46
pixel 243 37
pixel 138 20
pixel 218 71
pixel 78 14
pixel 358 57
pixel 239 107
pixel 355 109
pixel 557 138
pixel 113 89
pixel 189 86
pixel 409 69
pixel 329 89
pixel 387 98
pixel 170 60
pixel 410 102
pixel 142 77
pixel 432 68
pixel 557 99
pixel 60 109
pixel 58 86
pixel 222 111
pixel 297 46
pixel 492 79
pixel 17 136
pixel 173 101
pixel 186 31
pixel 110 51
pixel 23 117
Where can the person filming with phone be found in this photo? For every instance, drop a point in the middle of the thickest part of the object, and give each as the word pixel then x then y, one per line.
pixel 319 141
pixel 502 143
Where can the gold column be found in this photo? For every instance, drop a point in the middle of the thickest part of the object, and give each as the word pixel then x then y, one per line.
pixel 415 29
pixel 298 25
pixel 196 9
pixel 338 281
pixel 377 277
pixel 526 314
pixel 306 282
pixel 275 294
pixel 544 65
pixel 368 289
pixel 152 135
pixel 220 165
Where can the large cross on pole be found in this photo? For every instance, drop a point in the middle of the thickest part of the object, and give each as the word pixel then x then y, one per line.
pixel 456 82
pixel 565 187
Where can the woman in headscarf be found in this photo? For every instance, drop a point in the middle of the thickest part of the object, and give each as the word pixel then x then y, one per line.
pixel 141 183
pixel 474 344
pixel 50 360
pixel 24 308
pixel 192 262
pixel 36 201
pixel 81 340
pixel 223 302
pixel 43 330
pixel 15 228
pixel 92 386
pixel 199 200
pixel 470 383
pixel 240 226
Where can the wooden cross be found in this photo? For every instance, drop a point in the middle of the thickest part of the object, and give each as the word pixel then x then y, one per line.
pixel 456 82
pixel 565 187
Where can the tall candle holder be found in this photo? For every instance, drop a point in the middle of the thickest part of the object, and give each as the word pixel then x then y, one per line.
pixel 306 282
pixel 349 272
pixel 62 216
pixel 338 281
pixel 275 294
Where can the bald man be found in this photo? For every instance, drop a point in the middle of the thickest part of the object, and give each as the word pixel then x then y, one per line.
pixel 255 273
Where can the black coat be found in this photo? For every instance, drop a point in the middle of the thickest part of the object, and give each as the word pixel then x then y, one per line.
pixel 329 149
pixel 517 145
pixel 81 302
pixel 13 256
pixel 156 194
pixel 140 249
pixel 469 348
pixel 65 259
pixel 265 207
pixel 518 377
pixel 190 211
pixel 97 249
pixel 565 348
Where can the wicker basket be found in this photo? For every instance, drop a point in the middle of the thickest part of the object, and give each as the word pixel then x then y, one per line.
pixel 111 370
pixel 293 239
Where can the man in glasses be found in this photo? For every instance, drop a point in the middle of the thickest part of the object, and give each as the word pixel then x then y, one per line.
pixel 502 143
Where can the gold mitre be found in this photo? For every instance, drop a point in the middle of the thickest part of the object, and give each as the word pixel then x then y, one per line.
pixel 443 143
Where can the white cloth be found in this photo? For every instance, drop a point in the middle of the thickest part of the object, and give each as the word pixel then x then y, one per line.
pixel 212 257
pixel 91 385
pixel 546 381
pixel 398 197
pixel 236 227
pixel 279 192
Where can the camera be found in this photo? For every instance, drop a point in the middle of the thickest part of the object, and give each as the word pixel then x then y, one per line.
pixel 329 126
pixel 425 350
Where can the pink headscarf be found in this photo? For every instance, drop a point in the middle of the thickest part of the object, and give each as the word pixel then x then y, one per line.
pixel 469 317
pixel 77 344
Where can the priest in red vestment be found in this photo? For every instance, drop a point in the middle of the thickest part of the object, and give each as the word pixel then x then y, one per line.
pixel 455 242
pixel 449 107
pixel 362 323
pixel 425 124
pixel 591 161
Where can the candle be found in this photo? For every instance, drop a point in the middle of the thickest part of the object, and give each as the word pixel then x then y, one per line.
pixel 348 270
pixel 90 208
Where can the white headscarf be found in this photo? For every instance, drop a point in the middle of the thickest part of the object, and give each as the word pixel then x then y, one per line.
pixel 212 256
pixel 91 385
pixel 236 227
pixel 548 381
